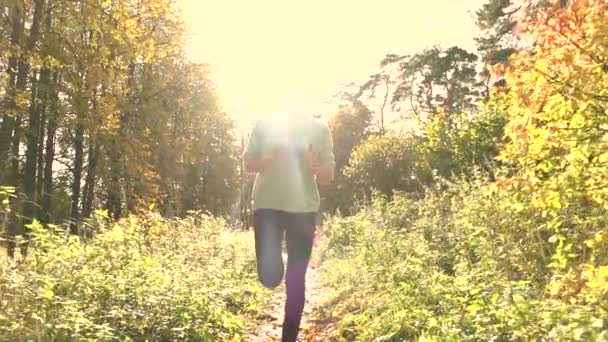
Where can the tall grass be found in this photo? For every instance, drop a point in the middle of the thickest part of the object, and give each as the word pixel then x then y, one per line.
pixel 143 278
pixel 459 265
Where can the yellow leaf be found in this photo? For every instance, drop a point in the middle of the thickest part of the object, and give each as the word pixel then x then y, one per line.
pixel 537 201
pixel 48 293
pixel 542 65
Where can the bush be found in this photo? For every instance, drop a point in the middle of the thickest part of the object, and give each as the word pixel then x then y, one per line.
pixel 463 263
pixel 448 145
pixel 143 278
pixel 386 163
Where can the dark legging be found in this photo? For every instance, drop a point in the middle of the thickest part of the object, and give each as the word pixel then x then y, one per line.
pixel 299 229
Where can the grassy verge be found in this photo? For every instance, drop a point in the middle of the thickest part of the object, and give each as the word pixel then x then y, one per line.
pixel 144 278
pixel 459 265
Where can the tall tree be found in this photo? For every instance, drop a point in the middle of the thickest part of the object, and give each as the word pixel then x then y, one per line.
pixel 16 81
pixel 497 20
pixel 99 106
pixel 38 83
pixel 427 82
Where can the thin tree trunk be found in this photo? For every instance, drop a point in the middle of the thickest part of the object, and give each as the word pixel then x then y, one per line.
pixel 77 174
pixel 114 205
pixel 13 173
pixel 131 193
pixel 44 99
pixel 87 203
pixel 48 81
pixel 49 155
pixel 29 174
pixel 40 159
pixel 8 120
pixel 31 154
pixel 13 178
pixel 93 157
pixel 114 202
pixel 83 105
pixel 387 83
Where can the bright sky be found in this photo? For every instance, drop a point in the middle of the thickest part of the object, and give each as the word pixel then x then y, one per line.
pixel 268 54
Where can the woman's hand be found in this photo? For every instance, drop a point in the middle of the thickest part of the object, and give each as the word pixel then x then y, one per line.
pixel 324 174
pixel 267 162
pixel 311 156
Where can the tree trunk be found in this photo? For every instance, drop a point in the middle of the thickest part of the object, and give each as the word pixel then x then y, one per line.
pixel 40 159
pixel 77 174
pixel 29 173
pixel 49 155
pixel 89 186
pixel 114 203
pixel 117 161
pixel 14 71
pixel 13 173
pixel 48 81
pixel 31 154
pixel 14 227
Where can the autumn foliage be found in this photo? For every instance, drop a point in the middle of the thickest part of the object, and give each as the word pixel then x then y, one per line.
pixel 518 254
pixel 558 127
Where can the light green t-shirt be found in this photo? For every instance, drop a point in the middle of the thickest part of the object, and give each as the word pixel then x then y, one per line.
pixel 289 185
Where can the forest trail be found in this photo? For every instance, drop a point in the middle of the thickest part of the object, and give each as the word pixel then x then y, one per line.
pixel 312 330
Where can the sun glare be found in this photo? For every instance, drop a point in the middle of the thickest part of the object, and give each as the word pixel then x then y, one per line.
pixel 269 53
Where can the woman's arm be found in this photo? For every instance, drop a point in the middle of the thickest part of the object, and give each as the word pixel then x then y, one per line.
pixel 326 167
pixel 254 162
pixel 325 175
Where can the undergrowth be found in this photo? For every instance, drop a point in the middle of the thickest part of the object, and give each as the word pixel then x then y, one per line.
pixel 143 278
pixel 461 264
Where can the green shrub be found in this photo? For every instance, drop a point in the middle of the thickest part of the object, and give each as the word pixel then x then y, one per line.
pixel 143 278
pixel 461 264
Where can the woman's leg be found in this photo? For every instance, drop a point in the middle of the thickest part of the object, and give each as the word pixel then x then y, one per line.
pixel 268 242
pixel 300 230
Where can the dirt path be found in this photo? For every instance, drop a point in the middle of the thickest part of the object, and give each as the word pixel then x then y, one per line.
pixel 311 330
